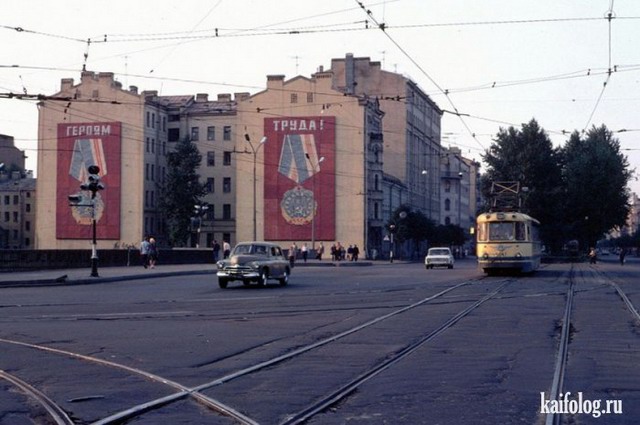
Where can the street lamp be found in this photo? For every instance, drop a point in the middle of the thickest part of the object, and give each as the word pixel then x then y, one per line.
pixel 316 168
pixel 427 195
pixel 254 150
pixel 199 211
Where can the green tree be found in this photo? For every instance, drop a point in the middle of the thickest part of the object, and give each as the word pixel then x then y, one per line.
pixel 182 191
pixel 595 175
pixel 527 156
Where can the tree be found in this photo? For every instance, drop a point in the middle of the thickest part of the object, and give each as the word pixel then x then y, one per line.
pixel 594 170
pixel 527 156
pixel 182 190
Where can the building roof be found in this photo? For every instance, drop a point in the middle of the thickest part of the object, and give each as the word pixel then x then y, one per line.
pixel 8 184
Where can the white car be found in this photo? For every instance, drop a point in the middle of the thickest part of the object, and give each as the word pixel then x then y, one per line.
pixel 439 257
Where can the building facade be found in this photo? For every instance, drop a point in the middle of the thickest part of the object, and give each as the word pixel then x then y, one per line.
pixel 96 122
pixel 17 211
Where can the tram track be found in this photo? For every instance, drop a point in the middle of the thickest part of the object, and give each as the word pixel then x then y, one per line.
pixel 183 392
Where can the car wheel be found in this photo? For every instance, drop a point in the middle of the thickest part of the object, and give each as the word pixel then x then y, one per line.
pixel 246 282
pixel 285 278
pixel 450 266
pixel 262 279
pixel 222 283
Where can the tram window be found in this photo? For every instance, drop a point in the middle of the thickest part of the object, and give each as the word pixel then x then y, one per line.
pixel 501 231
pixel 521 234
pixel 482 231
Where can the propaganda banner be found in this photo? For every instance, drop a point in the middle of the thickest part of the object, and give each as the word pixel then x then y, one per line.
pixel 299 178
pixel 81 145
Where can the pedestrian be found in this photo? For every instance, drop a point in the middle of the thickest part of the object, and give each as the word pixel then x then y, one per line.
pixel 592 256
pixel 226 249
pixel 355 253
pixel 334 251
pixel 144 252
pixel 153 253
pixel 293 250
pixel 216 250
pixel 305 252
pixel 319 252
pixel 350 253
pixel 623 253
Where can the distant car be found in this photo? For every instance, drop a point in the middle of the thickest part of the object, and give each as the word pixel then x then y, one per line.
pixel 254 262
pixel 439 257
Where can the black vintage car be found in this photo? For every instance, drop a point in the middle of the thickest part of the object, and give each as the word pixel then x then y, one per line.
pixel 254 262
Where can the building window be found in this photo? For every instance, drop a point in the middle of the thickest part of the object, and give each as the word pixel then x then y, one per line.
pixel 153 172
pixel 148 119
pixel 153 120
pixel 309 97
pixel 164 124
pixel 227 132
pixel 376 182
pixel 210 186
pixel 146 171
pixel 226 159
pixel 27 207
pixel 7 200
pixel 15 216
pixel 210 214
pixel 7 216
pixel 211 133
pixel 447 220
pixel 147 145
pixel 27 242
pixel 294 97
pixel 174 117
pixel 195 134
pixel 153 145
pixel 447 205
pixel 211 159
pixel 174 134
pixel 376 210
pixel 226 185
pixel 16 200
pixel 226 212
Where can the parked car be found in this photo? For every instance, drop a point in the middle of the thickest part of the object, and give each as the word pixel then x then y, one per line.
pixel 439 257
pixel 254 262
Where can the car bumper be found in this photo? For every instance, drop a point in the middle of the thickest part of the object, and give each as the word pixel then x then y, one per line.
pixel 230 274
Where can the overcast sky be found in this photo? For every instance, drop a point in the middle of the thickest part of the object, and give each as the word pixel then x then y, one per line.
pixel 502 62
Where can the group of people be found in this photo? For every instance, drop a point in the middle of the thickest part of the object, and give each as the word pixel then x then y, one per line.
pixel 226 250
pixel 593 255
pixel 339 253
pixel 148 252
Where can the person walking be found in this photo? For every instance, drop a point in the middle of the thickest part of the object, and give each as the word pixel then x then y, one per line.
pixel 144 252
pixel 593 256
pixel 216 250
pixel 623 253
pixel 226 249
pixel 319 252
pixel 153 253
pixel 305 252
pixel 293 250
pixel 355 253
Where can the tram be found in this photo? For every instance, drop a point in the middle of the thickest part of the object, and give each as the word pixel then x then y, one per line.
pixel 508 241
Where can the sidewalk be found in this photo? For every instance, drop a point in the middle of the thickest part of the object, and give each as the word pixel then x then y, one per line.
pixel 114 274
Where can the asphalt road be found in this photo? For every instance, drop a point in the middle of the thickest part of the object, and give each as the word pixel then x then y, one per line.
pixel 418 347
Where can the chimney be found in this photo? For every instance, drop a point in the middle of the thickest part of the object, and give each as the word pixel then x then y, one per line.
pixel 133 89
pixel 66 84
pixel 349 74
pixel 275 81
pixel 239 97
pixel 224 97
pixel 202 97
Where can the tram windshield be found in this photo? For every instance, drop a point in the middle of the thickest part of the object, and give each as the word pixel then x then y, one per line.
pixel 502 231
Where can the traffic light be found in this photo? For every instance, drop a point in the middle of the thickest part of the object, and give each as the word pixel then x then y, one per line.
pixel 93 181
pixel 74 199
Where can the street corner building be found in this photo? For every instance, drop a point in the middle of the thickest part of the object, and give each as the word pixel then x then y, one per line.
pixel 95 122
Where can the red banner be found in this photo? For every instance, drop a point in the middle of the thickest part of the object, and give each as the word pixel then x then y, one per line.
pixel 79 146
pixel 299 178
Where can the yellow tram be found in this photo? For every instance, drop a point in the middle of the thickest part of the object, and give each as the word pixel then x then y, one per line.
pixel 508 241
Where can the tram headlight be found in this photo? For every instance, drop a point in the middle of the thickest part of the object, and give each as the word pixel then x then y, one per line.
pixel 485 256
pixel 518 255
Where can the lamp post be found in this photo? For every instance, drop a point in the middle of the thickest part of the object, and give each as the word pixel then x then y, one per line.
pixel 427 194
pixel 315 167
pixel 92 185
pixel 254 150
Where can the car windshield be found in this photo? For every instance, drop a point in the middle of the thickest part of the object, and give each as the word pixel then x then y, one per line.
pixel 438 252
pixel 250 249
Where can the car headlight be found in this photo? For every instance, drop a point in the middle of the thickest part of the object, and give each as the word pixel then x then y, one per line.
pixel 220 264
pixel 254 265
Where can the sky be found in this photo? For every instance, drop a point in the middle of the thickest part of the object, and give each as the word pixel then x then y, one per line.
pixel 570 64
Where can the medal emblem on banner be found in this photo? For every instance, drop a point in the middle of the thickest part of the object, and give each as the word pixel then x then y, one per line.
pixel 87 152
pixel 298 205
